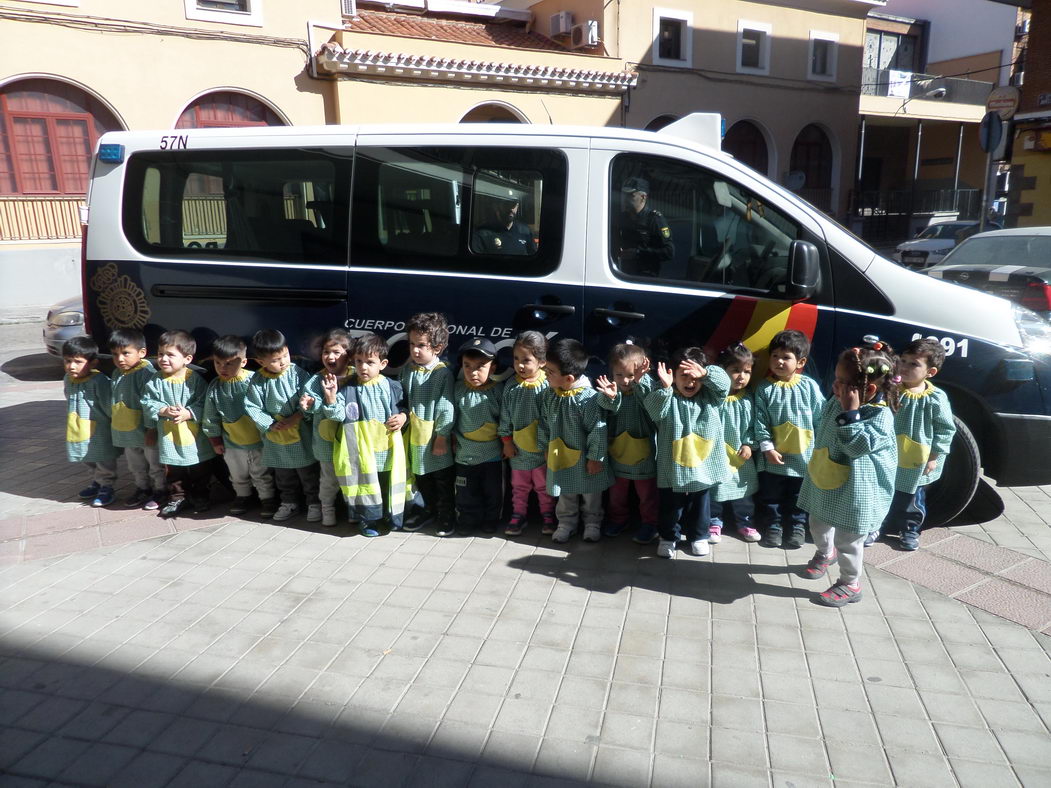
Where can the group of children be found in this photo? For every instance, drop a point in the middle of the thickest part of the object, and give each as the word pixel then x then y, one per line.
pixel 695 441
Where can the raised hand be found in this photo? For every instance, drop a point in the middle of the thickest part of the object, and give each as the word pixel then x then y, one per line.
pixel 606 386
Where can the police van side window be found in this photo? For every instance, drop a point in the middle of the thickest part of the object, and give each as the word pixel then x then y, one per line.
pixel 485 210
pixel 258 204
pixel 685 225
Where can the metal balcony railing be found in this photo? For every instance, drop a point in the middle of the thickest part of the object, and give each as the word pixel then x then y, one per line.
pixel 907 85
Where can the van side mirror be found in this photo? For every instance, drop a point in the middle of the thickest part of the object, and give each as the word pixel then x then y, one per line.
pixel 804 271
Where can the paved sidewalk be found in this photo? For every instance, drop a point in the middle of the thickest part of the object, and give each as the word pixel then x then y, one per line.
pixel 233 652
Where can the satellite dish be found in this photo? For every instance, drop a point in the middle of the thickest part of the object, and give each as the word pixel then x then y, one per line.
pixel 795 180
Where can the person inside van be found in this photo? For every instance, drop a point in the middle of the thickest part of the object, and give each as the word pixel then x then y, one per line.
pixel 500 231
pixel 643 233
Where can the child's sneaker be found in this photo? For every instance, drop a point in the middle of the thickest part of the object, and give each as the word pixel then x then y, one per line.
pixel 910 540
pixel 173 507
pixel 156 500
pixel 562 534
pixel 839 595
pixel 870 538
pixel 592 533
pixel 550 524
pixel 612 529
pixel 104 498
pixel 268 507
pixel 772 537
pixel 796 539
pixel 818 566
pixel 715 533
pixel 241 504
pixel 700 547
pixel 200 505
pixel 89 493
pixel 138 498
pixel 445 528
pixel 515 525
pixel 286 511
pixel 314 513
pixel 328 515
pixel 416 521
pixel 666 548
pixel 748 533
pixel 365 528
pixel 645 534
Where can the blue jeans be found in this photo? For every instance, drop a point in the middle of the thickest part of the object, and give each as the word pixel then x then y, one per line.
pixel 733 514
pixel 907 512
pixel 778 496
pixel 687 514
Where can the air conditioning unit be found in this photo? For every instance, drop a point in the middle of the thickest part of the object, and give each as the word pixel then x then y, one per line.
pixel 561 23
pixel 585 35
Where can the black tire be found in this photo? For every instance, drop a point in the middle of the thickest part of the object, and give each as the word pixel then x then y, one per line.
pixel 949 496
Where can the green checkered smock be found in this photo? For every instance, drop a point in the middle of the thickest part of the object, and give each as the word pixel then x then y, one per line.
pixel 850 477
pixel 785 414
pixel 572 431
pixel 477 422
pixel 224 413
pixel 129 430
pixel 738 414
pixel 184 443
pixel 632 448
pixel 429 391
pixel 690 457
pixel 271 398
pixel 324 428
pixel 520 420
pixel 88 406
pixel 924 426
pixel 378 400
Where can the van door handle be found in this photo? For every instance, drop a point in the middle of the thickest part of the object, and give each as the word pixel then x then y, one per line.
pixel 554 309
pixel 619 314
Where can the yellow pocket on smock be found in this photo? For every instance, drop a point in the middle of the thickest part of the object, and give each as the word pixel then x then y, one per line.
pixel 125 419
pixel 736 460
pixel 629 450
pixel 78 430
pixel 420 431
pixel 790 439
pixel 487 432
pixel 328 429
pixel 284 437
pixel 825 473
pixel 560 456
pixel 242 432
pixel 525 438
pixel 691 450
pixel 181 434
pixel 911 454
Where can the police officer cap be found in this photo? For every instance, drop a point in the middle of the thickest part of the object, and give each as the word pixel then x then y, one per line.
pixel 479 345
pixel 636 185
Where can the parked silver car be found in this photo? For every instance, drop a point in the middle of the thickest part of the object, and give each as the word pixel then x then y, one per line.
pixel 935 241
pixel 65 320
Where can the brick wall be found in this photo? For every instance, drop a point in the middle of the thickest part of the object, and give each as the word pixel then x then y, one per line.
pixel 1038 58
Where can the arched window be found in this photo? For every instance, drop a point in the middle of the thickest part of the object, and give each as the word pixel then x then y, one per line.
pixel 746 143
pixel 227 109
pixel 660 122
pixel 492 113
pixel 812 156
pixel 48 130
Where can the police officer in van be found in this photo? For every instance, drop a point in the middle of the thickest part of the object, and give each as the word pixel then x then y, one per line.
pixel 645 238
pixel 501 232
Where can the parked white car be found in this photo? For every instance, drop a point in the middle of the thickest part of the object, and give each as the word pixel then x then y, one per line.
pixel 934 242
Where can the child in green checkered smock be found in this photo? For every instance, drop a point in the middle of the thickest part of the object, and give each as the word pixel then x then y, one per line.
pixel 232 432
pixel 180 443
pixel 925 429
pixel 131 373
pixel 573 435
pixel 850 476
pixel 89 403
pixel 272 403
pixel 428 385
pixel 786 404
pixel 732 504
pixel 519 425
pixel 479 451
pixel 690 459
pixel 632 449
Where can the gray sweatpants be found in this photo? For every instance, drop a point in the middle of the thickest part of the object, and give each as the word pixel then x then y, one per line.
pixel 104 474
pixel 328 485
pixel 571 506
pixel 144 463
pixel 849 548
pixel 247 470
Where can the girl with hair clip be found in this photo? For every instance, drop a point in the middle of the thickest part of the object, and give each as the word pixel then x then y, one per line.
pixel 850 477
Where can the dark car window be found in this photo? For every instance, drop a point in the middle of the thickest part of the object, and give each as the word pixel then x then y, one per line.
pixel 1028 251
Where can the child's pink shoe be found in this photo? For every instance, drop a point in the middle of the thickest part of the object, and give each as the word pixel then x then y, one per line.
pixel 748 533
pixel 715 533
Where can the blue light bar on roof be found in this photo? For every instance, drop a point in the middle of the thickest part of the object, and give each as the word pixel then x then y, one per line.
pixel 111 153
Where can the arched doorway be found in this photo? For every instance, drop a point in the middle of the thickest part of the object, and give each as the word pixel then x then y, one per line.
pixel 746 143
pixel 493 113
pixel 227 109
pixel 812 156
pixel 660 122
pixel 48 130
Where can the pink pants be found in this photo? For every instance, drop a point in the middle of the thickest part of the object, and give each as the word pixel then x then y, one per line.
pixel 524 482
pixel 646 489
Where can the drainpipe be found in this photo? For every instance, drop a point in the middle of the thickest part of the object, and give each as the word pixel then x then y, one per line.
pixel 915 174
pixel 956 177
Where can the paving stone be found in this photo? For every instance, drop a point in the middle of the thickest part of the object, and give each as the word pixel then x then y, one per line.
pixel 147 770
pixel 858 762
pixel 975 774
pixel 795 754
pixel 791 719
pixel 621 767
pixel 1025 749
pixel 567 759
pixel 913 768
pixel 969 743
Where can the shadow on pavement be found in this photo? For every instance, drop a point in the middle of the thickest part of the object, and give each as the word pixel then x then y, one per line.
pixel 985 506
pixel 35 367
pixel 82 724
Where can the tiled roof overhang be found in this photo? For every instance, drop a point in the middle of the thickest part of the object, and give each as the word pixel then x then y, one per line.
pixel 333 59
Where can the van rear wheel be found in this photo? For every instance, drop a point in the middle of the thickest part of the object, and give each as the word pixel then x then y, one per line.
pixel 949 496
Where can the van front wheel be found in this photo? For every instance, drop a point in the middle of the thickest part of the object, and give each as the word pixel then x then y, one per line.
pixel 949 496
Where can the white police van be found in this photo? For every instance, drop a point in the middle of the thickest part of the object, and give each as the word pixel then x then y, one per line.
pixel 507 227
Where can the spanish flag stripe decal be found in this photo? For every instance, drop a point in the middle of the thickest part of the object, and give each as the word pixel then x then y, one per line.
pixel 732 327
pixel 803 317
pixel 755 322
pixel 768 318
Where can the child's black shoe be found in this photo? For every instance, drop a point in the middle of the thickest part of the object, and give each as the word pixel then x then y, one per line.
pixel 772 537
pixel 796 539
